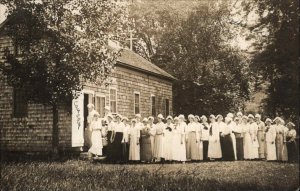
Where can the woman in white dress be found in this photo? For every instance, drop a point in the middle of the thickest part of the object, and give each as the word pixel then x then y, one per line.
pixel 247 138
pixel 159 138
pixel 179 147
pixel 270 140
pixel 253 133
pixel 214 145
pixel 280 136
pixel 204 136
pixel 96 137
pixel 192 138
pixel 168 139
pixel 134 142
pixel 199 136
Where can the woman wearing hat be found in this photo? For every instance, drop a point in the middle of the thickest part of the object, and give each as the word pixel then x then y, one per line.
pixel 152 133
pixel 270 141
pixel 226 139
pixel 204 136
pixel 168 139
pixel 96 137
pixel 159 138
pixel 280 130
pixel 146 152
pixel 247 139
pixel 179 147
pixel 125 140
pixel 238 132
pixel 260 136
pixel 291 143
pixel 192 139
pixel 214 145
pixel 253 133
pixel 200 143
pixel 116 153
pixel 134 143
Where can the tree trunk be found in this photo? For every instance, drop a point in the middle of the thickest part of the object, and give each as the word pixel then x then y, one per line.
pixel 55 133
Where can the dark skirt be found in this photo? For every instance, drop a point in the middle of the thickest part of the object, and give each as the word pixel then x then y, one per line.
pixel 107 148
pixel 292 151
pixel 146 149
pixel 205 150
pixel 116 149
pixel 239 149
pixel 227 148
pixel 125 152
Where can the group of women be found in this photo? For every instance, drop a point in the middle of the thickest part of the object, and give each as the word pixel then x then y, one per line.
pixel 237 137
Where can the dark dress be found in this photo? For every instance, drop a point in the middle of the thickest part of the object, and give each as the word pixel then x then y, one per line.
pixel 292 150
pixel 227 148
pixel 116 149
pixel 239 146
pixel 146 149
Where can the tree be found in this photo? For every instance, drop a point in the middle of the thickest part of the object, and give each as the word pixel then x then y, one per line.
pixel 275 59
pixel 64 44
pixel 213 76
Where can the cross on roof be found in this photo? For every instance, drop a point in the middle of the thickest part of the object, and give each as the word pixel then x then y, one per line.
pixel 131 39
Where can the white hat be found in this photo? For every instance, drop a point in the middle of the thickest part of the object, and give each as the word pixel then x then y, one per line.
pixel 250 116
pixel 220 116
pixel 150 118
pixel 230 115
pixel 239 114
pixel 90 105
pixel 197 117
pixel 236 119
pixel 244 117
pixel 138 115
pixel 203 117
pixel 181 116
pixel 133 120
pixel 282 121
pixel 227 119
pixel 291 124
pixel 257 116
pixel 268 120
pixel 277 118
pixel 110 115
pixel 119 115
pixel 107 108
pixel 212 116
pixel 169 117
pixel 96 114
pixel 125 118
pixel 176 118
pixel 160 116
pixel 145 120
pixel 191 116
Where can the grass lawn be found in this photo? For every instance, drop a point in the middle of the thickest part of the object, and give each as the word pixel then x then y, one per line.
pixel 85 175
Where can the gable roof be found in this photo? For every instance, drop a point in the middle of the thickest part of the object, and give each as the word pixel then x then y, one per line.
pixel 132 60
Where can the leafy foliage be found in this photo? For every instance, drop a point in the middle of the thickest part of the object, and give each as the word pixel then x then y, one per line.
pixel 63 43
pixel 213 76
pixel 276 55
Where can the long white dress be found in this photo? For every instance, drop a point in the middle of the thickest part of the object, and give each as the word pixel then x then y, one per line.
pixel 200 142
pixel 255 144
pixel 134 148
pixel 248 148
pixel 214 145
pixel 178 146
pixel 159 140
pixel 271 146
pixel 168 140
pixel 96 138
pixel 233 127
pixel 152 135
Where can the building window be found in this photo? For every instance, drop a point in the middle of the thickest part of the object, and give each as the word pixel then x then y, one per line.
pixel 100 105
pixel 20 103
pixel 113 100
pixel 153 108
pixel 136 103
pixel 167 107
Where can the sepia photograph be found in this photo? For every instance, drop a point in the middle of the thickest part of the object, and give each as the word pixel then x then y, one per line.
pixel 149 95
